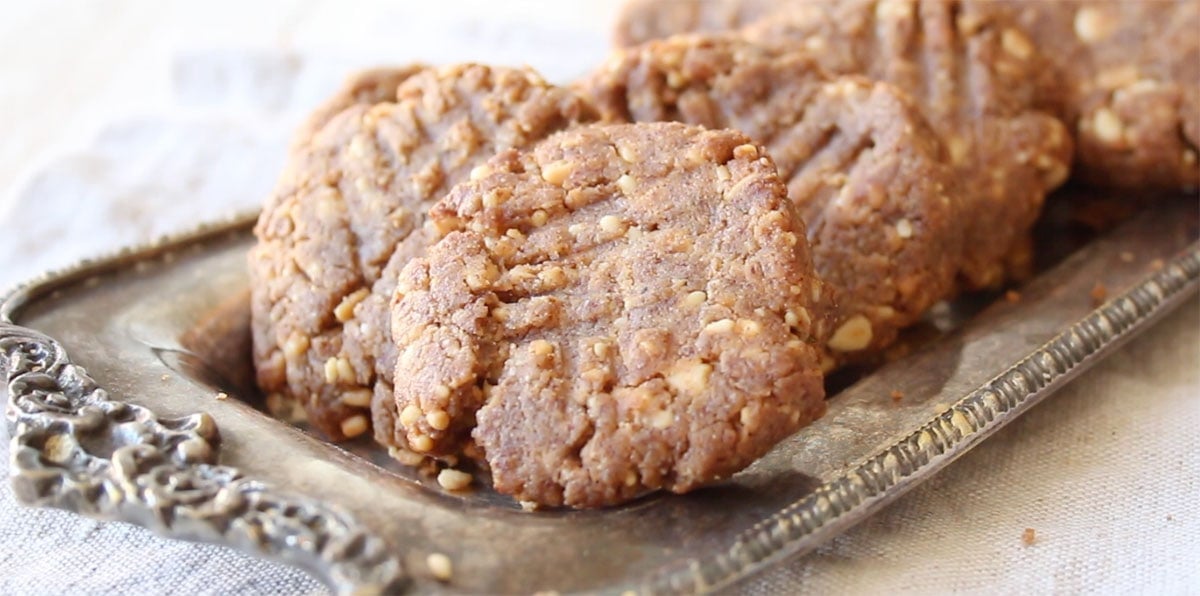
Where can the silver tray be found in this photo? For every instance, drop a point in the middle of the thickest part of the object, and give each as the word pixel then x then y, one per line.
pixel 130 399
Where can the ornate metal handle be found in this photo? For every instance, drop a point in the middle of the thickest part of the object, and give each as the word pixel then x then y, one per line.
pixel 76 449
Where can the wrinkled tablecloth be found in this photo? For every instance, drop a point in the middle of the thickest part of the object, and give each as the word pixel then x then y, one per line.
pixel 1106 472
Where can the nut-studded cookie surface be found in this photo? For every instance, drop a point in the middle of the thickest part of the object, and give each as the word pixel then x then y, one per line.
pixel 365 88
pixel 349 211
pixel 1125 78
pixel 974 76
pixel 622 308
pixel 640 21
pixel 865 170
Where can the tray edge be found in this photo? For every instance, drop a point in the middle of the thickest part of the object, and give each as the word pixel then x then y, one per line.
pixel 839 504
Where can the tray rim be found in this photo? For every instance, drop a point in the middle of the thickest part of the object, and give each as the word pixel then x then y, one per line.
pixel 797 528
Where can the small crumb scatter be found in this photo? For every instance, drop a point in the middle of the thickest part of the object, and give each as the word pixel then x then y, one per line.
pixel 1028 537
pixel 1099 294
pixel 440 566
pixel 222 395
pixel 1012 296
pixel 453 480
pixel 897 395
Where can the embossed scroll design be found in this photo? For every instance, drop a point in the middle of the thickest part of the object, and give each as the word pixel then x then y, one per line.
pixel 871 484
pixel 74 448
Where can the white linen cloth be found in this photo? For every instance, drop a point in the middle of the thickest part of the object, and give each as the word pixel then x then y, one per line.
pixel 1107 472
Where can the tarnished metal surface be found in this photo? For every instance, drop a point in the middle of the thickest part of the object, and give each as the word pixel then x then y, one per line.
pixel 161 332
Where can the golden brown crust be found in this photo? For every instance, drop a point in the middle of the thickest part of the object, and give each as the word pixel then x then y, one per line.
pixel 609 314
pixel 862 165
pixel 349 211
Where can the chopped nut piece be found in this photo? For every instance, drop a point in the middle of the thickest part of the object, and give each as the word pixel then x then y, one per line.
pixel 721 326
pixel 331 370
pixel 440 566
pixel 1107 126
pixel 451 479
pixel 345 309
pixel 662 419
pixel 611 224
pixel 1091 25
pixel 1016 44
pixel 354 426
pixel 557 172
pixel 694 299
pixel 438 420
pixel 541 347
pixel 358 398
pixel 626 184
pixel 409 415
pixel 854 334
pixel 421 444
pixel 600 349
pixel 554 277
pixel 748 327
pixel 406 457
pixel 296 345
pixel 745 152
pixel 904 228
pixel 689 377
pixel 480 171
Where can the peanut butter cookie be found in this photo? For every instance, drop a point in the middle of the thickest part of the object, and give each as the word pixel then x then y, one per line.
pixel 622 308
pixel 349 212
pixel 865 170
pixel 973 74
pixel 1125 78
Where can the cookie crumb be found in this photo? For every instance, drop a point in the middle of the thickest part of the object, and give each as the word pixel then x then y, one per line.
pixel 1126 256
pixel 529 505
pixel 897 395
pixel 165 377
pixel 453 480
pixel 1099 294
pixel 221 396
pixel 1012 296
pixel 1028 537
pixel 440 566
pixel 1157 264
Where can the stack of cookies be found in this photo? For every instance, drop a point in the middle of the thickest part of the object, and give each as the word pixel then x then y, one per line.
pixel 638 282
